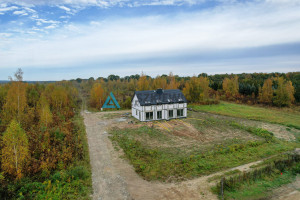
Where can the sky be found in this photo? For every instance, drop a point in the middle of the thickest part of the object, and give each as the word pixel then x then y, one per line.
pixel 69 39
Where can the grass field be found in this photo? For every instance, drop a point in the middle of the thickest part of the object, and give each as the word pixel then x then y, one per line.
pixel 262 188
pixel 199 145
pixel 288 117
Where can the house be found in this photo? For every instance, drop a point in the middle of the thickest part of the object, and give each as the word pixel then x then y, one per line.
pixel 158 105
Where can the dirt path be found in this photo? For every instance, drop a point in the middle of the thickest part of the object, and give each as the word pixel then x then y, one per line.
pixel 107 181
pixel 114 178
pixel 288 192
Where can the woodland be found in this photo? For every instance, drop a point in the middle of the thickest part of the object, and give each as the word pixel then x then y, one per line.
pixel 266 89
pixel 43 150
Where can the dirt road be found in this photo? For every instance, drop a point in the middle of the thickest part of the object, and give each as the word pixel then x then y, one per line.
pixel 115 179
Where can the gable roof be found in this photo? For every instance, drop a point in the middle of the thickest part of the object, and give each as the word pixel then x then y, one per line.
pixel 160 96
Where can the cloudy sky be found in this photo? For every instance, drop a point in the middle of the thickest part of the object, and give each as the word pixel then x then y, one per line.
pixel 65 39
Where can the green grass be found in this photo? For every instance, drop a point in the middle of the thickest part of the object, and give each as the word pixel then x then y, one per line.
pixel 261 189
pixel 279 116
pixel 161 163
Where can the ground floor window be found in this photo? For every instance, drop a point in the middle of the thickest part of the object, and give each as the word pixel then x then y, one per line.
pixel 171 114
pixel 136 112
pixel 179 112
pixel 159 114
pixel 149 115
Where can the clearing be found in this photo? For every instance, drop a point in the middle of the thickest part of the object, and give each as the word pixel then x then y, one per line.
pixel 162 158
pixel 286 116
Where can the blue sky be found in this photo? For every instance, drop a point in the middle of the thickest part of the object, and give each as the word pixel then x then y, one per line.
pixel 65 39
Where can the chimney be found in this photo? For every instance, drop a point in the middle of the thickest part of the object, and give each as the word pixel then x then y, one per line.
pixel 159 91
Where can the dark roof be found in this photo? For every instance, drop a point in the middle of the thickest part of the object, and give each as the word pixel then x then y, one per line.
pixel 160 96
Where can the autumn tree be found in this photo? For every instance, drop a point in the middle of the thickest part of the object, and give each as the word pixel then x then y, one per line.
pixel 97 96
pixel 16 101
pixel 197 89
pixel 159 82
pixel 284 94
pixel 266 93
pixel 143 83
pixel 231 87
pixel 15 150
pixel 45 115
pixel 172 83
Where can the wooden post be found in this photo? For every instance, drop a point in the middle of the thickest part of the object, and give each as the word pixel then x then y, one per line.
pixel 222 188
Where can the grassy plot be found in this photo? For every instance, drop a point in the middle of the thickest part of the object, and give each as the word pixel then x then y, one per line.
pixel 279 116
pixel 262 188
pixel 156 155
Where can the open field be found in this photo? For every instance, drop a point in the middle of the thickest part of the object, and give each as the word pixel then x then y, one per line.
pixel 285 116
pixel 111 172
pixel 177 159
pixel 201 144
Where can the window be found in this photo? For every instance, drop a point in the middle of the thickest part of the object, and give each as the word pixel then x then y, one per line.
pixel 159 114
pixel 149 115
pixel 180 113
pixel 136 113
pixel 170 113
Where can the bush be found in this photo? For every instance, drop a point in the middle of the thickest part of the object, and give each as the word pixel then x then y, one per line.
pixel 78 172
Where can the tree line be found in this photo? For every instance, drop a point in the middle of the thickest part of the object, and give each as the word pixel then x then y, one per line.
pixel 273 89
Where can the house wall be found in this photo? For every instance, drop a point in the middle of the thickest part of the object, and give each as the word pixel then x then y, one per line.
pixel 139 111
pixel 136 108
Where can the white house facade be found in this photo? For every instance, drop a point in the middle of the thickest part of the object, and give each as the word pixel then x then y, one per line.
pixel 158 105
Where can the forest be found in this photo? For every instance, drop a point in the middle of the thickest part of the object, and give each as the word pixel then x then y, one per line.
pixel 43 150
pixel 267 89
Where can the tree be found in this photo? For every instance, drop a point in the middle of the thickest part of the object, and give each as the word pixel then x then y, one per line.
pixel 197 89
pixel 172 83
pixel 97 96
pixel 15 150
pixel 266 95
pixel 159 82
pixel 44 111
pixel 143 83
pixel 284 94
pixel 16 101
pixel 231 87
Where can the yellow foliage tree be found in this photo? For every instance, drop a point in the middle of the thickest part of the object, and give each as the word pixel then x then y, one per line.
pixel 231 87
pixel 143 83
pixel 15 150
pixel 172 82
pixel 44 111
pixel 159 82
pixel 97 96
pixel 266 95
pixel 284 94
pixel 16 101
pixel 197 89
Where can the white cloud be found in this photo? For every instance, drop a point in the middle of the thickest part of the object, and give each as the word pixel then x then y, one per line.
pixel 20 12
pixel 6 9
pixel 51 26
pixel 65 8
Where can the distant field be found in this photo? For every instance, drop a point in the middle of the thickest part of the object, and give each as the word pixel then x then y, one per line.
pixel 286 117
